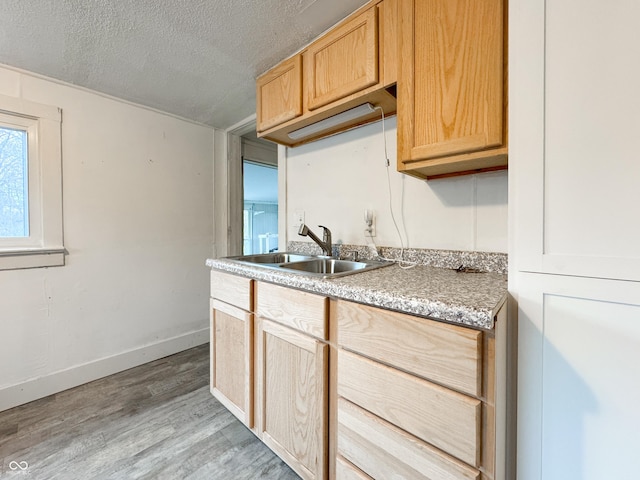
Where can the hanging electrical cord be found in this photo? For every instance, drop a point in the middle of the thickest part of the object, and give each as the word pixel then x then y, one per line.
pixel 400 261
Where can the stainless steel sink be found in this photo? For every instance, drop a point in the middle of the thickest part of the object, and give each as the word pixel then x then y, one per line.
pixel 275 258
pixel 314 265
pixel 325 266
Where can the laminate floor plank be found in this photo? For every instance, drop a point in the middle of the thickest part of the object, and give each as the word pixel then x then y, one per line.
pixel 156 421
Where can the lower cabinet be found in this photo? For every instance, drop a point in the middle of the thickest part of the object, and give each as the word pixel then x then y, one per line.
pixel 292 397
pixel 292 370
pixel 231 347
pixel 414 398
pixel 342 390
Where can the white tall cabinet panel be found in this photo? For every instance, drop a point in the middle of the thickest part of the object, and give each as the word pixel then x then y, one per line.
pixel 574 225
pixel 579 385
pixel 575 124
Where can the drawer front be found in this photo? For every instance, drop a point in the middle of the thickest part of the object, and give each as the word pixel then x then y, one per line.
pixel 303 311
pixel 383 451
pixel 232 289
pixel 446 354
pixel 446 419
pixel 346 471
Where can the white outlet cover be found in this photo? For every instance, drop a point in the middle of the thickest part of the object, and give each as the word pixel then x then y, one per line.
pixel 298 217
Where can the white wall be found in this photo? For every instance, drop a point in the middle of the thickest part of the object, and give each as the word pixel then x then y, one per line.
pixel 138 226
pixel 334 180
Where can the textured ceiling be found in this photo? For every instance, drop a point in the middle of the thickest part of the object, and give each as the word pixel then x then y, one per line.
pixel 194 58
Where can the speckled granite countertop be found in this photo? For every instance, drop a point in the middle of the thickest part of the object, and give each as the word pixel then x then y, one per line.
pixel 471 299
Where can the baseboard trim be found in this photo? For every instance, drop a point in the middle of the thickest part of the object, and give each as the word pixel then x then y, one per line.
pixel 40 387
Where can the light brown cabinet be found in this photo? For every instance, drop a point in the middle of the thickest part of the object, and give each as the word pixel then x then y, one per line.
pixel 292 397
pixel 279 94
pixel 386 451
pixel 231 346
pixel 451 87
pixel 352 64
pixel 416 398
pixel 342 62
pixel 292 369
pixel 269 366
pixel 343 390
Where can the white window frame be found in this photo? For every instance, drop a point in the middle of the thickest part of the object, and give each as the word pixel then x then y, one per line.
pixel 44 247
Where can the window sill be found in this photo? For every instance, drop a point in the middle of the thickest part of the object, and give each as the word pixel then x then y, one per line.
pixel 31 258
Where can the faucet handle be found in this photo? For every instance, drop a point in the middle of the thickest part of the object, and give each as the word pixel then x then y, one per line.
pixel 326 233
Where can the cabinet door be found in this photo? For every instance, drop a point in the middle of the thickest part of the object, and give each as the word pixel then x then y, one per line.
pixel 292 382
pixel 279 94
pixel 451 79
pixel 231 359
pixel 343 62
pixel 573 215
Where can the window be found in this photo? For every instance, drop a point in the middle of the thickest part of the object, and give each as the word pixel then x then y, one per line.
pixel 14 183
pixel 30 185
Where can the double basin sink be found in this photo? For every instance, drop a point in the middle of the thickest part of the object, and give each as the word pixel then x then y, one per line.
pixel 314 265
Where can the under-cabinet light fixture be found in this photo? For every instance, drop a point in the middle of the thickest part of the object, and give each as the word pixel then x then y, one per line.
pixel 332 122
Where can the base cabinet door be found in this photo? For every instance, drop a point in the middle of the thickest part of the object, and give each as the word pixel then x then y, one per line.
pixel 232 359
pixel 292 397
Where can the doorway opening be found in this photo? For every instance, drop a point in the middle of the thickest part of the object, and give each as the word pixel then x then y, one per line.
pixel 260 202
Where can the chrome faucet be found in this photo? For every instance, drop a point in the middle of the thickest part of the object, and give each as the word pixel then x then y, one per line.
pixel 324 244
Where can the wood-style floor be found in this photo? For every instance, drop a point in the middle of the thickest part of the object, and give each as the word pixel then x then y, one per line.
pixel 156 421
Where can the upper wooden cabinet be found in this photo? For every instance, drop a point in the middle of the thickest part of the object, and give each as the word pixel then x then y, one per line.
pixel 343 61
pixel 352 64
pixel 451 87
pixel 279 94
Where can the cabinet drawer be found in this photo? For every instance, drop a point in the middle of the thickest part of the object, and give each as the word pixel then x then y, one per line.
pixel 232 289
pixel 346 471
pixel 383 451
pixel 300 310
pixel 446 354
pixel 446 419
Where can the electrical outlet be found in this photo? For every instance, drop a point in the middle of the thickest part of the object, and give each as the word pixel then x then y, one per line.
pixel 298 218
pixel 370 230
